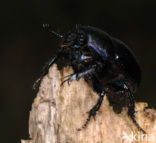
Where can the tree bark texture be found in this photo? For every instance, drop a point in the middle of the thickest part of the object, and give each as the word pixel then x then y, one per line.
pixel 58 111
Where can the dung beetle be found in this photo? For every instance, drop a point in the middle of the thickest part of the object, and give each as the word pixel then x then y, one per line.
pixel 102 59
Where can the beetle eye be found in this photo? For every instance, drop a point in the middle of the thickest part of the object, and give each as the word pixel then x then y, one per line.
pixel 71 37
pixel 81 39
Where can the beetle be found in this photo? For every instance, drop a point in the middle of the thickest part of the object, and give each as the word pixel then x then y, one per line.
pixel 102 59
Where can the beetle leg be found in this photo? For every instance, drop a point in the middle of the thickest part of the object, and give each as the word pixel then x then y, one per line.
pixel 46 68
pixel 98 88
pixel 94 110
pixel 79 75
pixel 131 108
pixel 44 71
pixel 131 102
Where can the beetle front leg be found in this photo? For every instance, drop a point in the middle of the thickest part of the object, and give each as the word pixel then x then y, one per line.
pixel 77 76
pixel 44 71
pixel 46 68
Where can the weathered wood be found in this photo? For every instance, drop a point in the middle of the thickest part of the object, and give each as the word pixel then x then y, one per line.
pixel 57 113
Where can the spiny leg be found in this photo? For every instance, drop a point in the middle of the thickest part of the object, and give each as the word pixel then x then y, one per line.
pixel 48 65
pixel 77 76
pixel 120 85
pixel 98 88
pixel 44 71
pixel 93 111
pixel 131 108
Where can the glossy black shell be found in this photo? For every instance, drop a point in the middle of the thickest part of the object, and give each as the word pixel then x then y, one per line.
pixel 110 48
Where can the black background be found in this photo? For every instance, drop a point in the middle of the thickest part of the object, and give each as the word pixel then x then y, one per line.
pixel 25 47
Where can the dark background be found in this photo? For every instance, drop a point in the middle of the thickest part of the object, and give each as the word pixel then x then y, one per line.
pixel 25 46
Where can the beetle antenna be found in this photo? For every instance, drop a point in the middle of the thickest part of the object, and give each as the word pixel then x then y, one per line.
pixel 77 26
pixel 57 34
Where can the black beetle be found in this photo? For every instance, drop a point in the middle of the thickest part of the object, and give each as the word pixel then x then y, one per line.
pixel 102 59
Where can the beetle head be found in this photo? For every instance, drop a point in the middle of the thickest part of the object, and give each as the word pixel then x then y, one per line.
pixel 75 39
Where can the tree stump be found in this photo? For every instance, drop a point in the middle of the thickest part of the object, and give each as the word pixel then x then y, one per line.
pixel 58 111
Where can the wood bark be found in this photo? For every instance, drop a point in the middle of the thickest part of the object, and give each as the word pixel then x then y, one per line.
pixel 58 111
